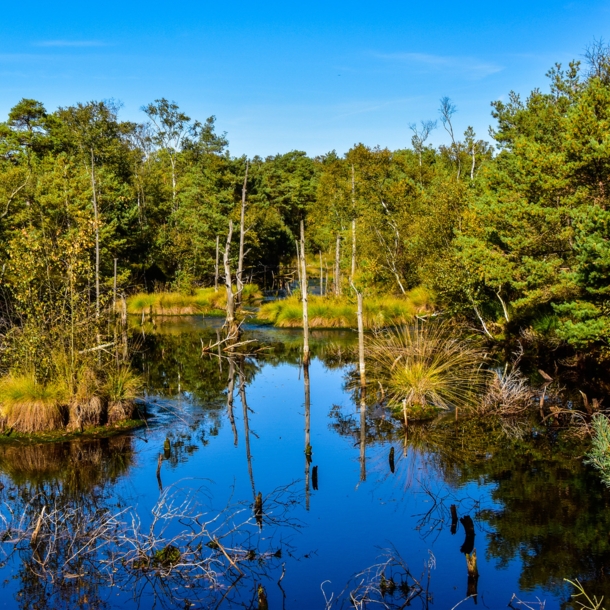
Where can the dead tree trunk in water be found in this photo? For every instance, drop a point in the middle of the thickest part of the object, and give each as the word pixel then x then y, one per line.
pixel 353 271
pixel 338 266
pixel 242 234
pixel 304 298
pixel 217 260
pixel 230 320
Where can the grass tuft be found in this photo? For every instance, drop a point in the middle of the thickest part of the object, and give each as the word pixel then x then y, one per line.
pixel 426 366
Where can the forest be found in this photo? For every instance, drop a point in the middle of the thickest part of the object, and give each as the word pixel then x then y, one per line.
pixel 149 280
pixel 509 235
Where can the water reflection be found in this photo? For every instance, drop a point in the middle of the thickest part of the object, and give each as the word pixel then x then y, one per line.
pixel 532 512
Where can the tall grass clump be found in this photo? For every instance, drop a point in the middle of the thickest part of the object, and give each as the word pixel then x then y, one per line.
pixel 30 406
pixel 426 367
pixel 201 301
pixel 123 386
pixel 340 312
pixel 599 454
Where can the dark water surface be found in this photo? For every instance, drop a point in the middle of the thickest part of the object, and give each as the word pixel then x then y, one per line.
pixel 538 515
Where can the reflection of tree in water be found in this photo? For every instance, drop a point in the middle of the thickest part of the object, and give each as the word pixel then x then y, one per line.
pixel 554 513
pixel 74 479
pixel 73 542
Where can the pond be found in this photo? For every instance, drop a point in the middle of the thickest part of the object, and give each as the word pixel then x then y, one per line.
pixel 250 486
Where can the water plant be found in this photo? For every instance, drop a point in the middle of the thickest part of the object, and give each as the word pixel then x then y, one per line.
pixel 426 366
pixel 599 454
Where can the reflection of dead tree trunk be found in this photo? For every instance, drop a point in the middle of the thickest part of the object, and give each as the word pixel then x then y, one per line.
pixel 338 266
pixel 244 405
pixel 230 390
pixel 363 435
pixel 473 575
pixel 360 316
pixel 242 234
pixel 468 525
pixel 454 519
pixel 303 266
pixel 308 450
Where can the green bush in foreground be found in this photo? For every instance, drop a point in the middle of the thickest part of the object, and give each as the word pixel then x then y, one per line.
pixel 599 454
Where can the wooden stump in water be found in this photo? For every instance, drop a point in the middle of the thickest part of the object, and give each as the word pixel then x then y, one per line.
pixel 454 519
pixel 391 460
pixel 167 449
pixel 314 478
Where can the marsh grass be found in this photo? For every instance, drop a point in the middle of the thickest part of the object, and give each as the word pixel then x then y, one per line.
pixel 340 312
pixel 426 366
pixel 204 301
pixel 30 406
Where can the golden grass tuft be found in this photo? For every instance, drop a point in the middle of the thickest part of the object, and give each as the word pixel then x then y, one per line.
pixel 426 365
pixel 203 301
pixel 29 406
pixel 340 312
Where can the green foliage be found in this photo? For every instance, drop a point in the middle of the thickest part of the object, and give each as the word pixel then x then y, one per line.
pixel 599 454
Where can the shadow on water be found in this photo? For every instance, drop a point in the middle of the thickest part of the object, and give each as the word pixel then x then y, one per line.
pixel 278 479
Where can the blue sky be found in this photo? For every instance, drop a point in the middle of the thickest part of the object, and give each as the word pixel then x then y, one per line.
pixel 279 76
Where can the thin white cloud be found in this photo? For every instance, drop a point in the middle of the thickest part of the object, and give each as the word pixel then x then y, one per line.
pixel 70 43
pixel 469 66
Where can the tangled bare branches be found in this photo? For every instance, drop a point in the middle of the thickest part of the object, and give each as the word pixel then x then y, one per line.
pixel 183 550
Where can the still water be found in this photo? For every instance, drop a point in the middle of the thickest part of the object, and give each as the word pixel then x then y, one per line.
pixel 343 489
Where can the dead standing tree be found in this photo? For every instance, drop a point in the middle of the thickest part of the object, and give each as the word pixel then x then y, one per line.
pixel 230 323
pixel 242 235
pixel 303 267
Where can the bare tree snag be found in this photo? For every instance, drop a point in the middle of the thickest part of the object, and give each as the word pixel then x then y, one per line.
pixel 338 266
pixel 217 260
pixel 230 319
pixel 360 317
pixel 304 298
pixel 96 220
pixel 353 270
pixel 242 234
pixel 321 276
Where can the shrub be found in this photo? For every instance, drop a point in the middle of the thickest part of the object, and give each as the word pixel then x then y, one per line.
pixel 599 454
pixel 508 393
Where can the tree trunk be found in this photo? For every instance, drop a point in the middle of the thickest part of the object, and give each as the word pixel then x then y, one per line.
pixel 321 276
pixel 353 272
pixel 96 220
pixel 304 298
pixel 338 266
pixel 217 259
pixel 242 234
pixel 230 321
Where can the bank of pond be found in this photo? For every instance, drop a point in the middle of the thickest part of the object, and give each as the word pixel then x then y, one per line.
pixel 255 482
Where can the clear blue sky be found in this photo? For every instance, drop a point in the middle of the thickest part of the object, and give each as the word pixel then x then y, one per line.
pixel 279 76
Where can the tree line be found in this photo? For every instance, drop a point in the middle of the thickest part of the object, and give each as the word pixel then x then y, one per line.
pixel 511 234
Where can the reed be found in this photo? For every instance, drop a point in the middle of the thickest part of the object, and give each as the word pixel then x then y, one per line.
pixel 204 301
pixel 340 312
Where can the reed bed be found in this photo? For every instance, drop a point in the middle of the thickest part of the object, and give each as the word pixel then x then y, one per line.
pixel 340 312
pixel 204 301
